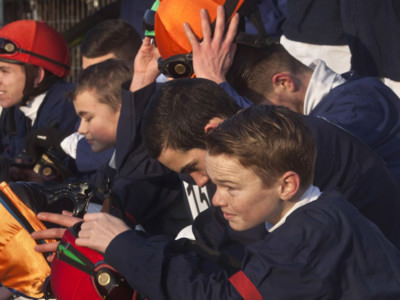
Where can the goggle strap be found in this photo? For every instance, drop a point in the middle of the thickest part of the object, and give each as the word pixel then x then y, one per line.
pixel 43 58
pixel 67 253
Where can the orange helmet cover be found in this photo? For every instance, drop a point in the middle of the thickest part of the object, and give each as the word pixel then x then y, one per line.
pixel 169 18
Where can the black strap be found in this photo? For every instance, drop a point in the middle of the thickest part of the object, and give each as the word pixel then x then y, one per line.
pixel 250 10
pixel 63 253
pixel 19 217
pixel 16 213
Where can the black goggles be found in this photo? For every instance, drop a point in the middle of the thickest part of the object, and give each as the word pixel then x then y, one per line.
pixel 177 66
pixel 107 281
pixel 9 47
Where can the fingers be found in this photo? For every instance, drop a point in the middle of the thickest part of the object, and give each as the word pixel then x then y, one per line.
pixel 205 25
pixel 232 29
pixel 93 216
pixel 191 36
pixel 51 257
pixel 48 234
pixel 219 24
pixel 59 219
pixel 147 40
pixel 50 247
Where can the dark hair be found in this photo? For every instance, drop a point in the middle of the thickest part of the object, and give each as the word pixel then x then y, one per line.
pixel 270 140
pixel 111 36
pixel 179 111
pixel 252 69
pixel 48 81
pixel 105 79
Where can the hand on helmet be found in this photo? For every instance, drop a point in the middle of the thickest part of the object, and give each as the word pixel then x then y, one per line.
pixel 213 56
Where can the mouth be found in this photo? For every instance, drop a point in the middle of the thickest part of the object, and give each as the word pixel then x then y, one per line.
pixel 227 216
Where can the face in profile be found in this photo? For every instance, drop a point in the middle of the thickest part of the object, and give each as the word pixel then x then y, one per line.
pixel 190 162
pixel 99 121
pixel 12 83
pixel 241 195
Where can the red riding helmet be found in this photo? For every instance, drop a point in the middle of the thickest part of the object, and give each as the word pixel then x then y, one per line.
pixel 36 43
pixel 80 273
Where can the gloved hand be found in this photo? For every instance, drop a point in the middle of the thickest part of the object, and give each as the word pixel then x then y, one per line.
pixel 40 140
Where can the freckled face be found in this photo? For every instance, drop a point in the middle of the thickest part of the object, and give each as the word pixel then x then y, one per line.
pixel 12 83
pixel 243 199
pixel 99 121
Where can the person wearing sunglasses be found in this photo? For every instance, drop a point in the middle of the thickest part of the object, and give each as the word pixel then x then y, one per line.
pixel 36 115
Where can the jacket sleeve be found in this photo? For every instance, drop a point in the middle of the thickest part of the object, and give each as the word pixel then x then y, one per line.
pixel 165 274
pixel 241 101
pixel 147 192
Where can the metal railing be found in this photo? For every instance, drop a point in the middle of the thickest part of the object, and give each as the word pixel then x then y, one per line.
pixel 63 15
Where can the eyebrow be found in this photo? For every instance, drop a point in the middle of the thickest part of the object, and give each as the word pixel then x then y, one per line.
pixel 190 167
pixel 82 113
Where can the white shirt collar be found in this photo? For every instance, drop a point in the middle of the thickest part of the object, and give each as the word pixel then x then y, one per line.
pixel 30 110
pixel 322 81
pixel 311 194
pixel 70 143
pixel 112 163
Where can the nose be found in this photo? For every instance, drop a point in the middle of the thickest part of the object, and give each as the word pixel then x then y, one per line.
pixel 217 199
pixel 82 127
pixel 199 178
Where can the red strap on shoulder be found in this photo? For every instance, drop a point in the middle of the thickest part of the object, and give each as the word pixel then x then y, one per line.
pixel 244 286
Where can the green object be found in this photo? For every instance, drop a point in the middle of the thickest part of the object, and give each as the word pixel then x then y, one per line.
pixel 148 19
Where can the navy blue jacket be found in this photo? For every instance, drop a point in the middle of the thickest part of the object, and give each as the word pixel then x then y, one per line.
pixel 369 27
pixel 144 191
pixel 325 250
pixel 55 111
pixel 369 110
pixel 314 21
pixel 346 164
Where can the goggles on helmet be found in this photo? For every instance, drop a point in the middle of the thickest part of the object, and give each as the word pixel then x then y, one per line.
pixel 106 281
pixel 9 47
pixel 176 59
pixel 177 66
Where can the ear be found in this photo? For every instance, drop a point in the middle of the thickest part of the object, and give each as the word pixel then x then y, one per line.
pixel 290 185
pixel 213 123
pixel 283 81
pixel 39 76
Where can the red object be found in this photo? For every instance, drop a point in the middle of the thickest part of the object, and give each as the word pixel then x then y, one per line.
pixel 41 39
pixel 68 282
pixel 244 286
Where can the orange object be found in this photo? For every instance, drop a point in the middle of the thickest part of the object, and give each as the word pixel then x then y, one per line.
pixel 169 18
pixel 21 267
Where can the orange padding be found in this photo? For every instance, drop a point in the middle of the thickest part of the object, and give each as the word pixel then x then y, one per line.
pixel 21 267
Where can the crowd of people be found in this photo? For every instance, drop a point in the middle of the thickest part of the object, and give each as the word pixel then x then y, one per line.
pixel 235 150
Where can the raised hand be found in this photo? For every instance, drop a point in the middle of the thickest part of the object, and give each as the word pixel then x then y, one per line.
pixel 145 65
pixel 213 56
